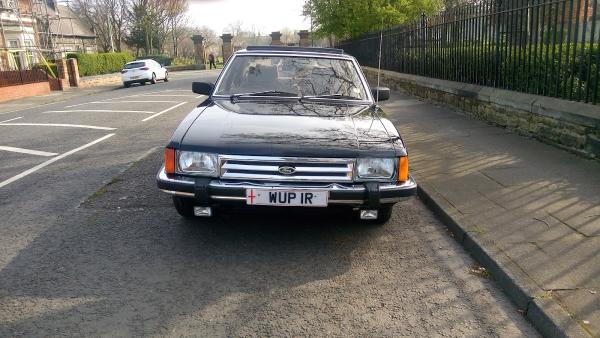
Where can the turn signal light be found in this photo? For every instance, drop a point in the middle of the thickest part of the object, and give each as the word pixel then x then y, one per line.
pixel 403 169
pixel 169 160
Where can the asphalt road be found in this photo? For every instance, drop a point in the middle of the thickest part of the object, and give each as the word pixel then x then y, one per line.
pixel 90 247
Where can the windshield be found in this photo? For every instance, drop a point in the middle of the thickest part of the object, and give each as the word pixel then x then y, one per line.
pixel 294 76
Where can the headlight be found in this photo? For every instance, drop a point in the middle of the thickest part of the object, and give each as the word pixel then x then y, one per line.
pixel 198 163
pixel 373 168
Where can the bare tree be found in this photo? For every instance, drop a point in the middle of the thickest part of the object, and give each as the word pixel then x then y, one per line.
pixel 289 36
pixel 235 29
pixel 212 42
pixel 148 25
pixel 106 17
pixel 176 19
pixel 118 16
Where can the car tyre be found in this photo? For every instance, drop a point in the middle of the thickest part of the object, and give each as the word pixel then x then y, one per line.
pixel 184 206
pixel 126 84
pixel 166 77
pixel 153 80
pixel 384 213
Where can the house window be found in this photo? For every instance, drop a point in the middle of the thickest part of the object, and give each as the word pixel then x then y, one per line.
pixel 14 61
pixel 13 43
pixel 29 54
pixel 11 4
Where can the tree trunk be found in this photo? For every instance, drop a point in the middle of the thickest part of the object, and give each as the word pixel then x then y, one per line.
pixel 148 44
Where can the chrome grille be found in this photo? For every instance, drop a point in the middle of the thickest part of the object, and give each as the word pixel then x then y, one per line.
pixel 267 169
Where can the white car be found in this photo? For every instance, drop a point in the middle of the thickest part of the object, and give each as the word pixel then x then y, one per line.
pixel 142 71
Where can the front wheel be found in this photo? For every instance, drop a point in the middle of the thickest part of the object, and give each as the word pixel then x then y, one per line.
pixel 167 77
pixel 153 80
pixel 184 206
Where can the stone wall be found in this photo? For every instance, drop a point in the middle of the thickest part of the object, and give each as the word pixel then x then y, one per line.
pixel 574 126
pixel 183 67
pixel 101 80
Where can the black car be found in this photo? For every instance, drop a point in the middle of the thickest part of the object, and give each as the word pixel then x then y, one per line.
pixel 283 127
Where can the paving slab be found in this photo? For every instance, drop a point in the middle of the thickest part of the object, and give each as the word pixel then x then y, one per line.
pixel 528 211
pixel 583 301
pixel 567 263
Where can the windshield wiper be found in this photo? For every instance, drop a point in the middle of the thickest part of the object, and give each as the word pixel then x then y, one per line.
pixel 274 93
pixel 332 96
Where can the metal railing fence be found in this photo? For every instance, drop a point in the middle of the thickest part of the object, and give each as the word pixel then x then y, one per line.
pixel 19 77
pixel 544 47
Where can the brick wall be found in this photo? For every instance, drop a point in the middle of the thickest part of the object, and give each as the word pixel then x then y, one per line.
pixel 63 74
pixel 26 90
pixel 574 126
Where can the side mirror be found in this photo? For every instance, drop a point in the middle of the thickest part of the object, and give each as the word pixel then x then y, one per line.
pixel 384 93
pixel 203 88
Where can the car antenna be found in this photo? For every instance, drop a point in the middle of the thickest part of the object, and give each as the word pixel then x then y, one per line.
pixel 379 61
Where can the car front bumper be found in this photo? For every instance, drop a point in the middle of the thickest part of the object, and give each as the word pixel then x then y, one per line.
pixel 211 191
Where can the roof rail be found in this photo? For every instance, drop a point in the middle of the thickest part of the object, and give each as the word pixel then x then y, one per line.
pixel 295 49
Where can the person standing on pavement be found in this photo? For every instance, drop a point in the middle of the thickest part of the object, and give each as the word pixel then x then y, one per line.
pixel 211 61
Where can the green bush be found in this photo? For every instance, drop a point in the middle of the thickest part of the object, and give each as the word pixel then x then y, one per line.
pixel 163 60
pixel 101 63
pixel 43 67
pixel 182 61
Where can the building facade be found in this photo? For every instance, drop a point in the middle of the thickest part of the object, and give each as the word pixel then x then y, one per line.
pixel 18 38
pixel 62 32
pixel 31 30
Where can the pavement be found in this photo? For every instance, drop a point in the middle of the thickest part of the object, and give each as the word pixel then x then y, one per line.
pixel 527 211
pixel 90 247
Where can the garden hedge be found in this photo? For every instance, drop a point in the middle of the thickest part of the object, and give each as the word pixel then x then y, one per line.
pixel 163 60
pixel 101 63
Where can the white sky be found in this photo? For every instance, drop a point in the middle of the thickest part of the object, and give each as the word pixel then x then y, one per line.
pixel 265 16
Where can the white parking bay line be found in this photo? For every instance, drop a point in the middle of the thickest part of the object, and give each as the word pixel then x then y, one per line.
pixel 162 112
pixel 125 101
pixel 146 101
pixel 27 151
pixel 132 95
pixel 77 105
pixel 52 160
pixel 98 111
pixel 170 95
pixel 16 118
pixel 57 125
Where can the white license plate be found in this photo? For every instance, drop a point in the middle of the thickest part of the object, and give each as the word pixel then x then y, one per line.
pixel 291 198
pixel 135 77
